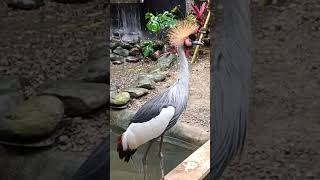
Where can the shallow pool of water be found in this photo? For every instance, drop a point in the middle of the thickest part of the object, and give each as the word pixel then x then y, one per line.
pixel 174 150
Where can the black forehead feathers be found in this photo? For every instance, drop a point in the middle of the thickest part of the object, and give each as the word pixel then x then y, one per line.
pixel 193 37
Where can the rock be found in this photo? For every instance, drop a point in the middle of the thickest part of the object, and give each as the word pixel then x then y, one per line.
pixel 133 59
pixel 114 45
pixel 64 139
pixel 92 71
pixel 155 70
pixel 80 141
pixel 131 38
pixel 158 45
pixel 35 118
pixel 9 100
pixel 115 57
pixel 100 50
pixel 165 61
pixel 122 52
pixel 79 98
pixel 121 118
pixel 138 46
pixel 10 93
pixel 145 82
pixel 136 92
pixel 189 133
pixel 117 62
pixel 120 99
pixel 134 52
pixel 127 46
pixel 113 87
pixel 25 4
pixel 155 77
pixel 156 55
pixel 10 83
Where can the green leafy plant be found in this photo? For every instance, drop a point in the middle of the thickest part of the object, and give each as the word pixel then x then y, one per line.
pixel 148 48
pixel 160 21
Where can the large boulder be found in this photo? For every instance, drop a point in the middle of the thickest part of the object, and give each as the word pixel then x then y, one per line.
pixel 79 98
pixel 33 119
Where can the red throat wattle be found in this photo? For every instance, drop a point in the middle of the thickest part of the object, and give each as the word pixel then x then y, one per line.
pixel 186 52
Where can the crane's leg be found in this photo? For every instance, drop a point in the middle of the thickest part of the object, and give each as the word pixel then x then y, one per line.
pixel 144 160
pixel 161 158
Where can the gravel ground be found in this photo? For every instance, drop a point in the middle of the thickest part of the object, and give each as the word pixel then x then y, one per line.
pixel 48 44
pixel 197 112
pixel 284 132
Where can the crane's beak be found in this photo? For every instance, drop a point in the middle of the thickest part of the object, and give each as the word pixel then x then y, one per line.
pixel 197 43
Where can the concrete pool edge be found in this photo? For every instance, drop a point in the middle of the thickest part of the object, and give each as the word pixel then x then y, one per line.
pixel 183 131
pixel 195 167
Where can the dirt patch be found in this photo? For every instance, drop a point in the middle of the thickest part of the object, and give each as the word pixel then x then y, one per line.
pixel 284 130
pixel 198 110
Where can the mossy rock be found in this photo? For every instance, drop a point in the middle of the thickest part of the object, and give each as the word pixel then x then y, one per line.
pixel 120 99
pixel 33 119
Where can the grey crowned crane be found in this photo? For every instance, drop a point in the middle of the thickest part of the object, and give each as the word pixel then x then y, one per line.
pixel 162 112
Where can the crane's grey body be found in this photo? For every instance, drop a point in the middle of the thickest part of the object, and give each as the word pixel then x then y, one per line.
pixel 232 81
pixel 176 96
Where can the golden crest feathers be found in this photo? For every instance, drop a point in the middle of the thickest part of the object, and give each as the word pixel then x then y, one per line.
pixel 181 31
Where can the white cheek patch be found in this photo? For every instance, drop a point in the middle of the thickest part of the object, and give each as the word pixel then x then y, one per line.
pixel 140 133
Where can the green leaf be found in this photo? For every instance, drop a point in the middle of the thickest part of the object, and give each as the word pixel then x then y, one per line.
pixel 148 48
pixel 153 26
pixel 149 16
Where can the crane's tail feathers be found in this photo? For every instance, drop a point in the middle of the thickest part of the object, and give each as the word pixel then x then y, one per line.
pixel 96 165
pixel 127 154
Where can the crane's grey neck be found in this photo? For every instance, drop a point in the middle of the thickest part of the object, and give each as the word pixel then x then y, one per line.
pixel 183 65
